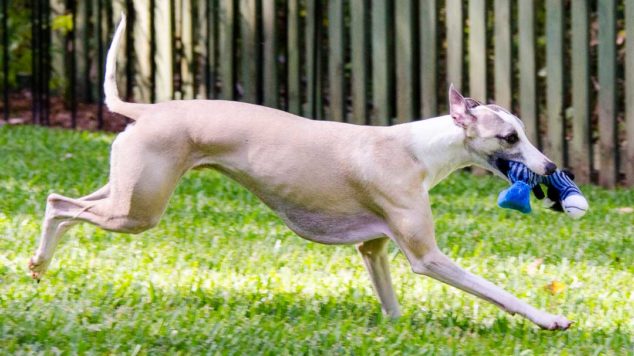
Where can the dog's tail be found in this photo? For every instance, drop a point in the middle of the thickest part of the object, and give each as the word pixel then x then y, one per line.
pixel 114 103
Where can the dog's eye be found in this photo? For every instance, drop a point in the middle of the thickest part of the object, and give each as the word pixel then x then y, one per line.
pixel 512 138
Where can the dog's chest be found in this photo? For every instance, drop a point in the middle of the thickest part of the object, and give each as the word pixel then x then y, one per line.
pixel 331 228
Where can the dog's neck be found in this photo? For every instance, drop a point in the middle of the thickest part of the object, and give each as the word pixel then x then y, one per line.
pixel 439 144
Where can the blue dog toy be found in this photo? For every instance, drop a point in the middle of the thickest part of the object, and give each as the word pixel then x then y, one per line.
pixel 563 194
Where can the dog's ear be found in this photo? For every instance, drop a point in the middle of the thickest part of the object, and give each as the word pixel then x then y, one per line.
pixel 472 103
pixel 459 108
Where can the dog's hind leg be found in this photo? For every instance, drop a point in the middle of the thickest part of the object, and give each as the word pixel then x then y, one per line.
pixel 97 194
pixel 375 258
pixel 141 183
pixel 53 230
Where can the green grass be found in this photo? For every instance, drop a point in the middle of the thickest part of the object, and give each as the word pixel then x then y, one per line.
pixel 222 274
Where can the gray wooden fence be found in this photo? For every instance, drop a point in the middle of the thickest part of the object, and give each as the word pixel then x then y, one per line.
pixel 565 67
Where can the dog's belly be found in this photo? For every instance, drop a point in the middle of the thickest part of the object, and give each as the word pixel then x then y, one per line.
pixel 333 229
pixel 328 221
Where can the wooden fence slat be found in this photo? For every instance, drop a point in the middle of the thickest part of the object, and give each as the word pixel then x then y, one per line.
pixel 359 61
pixel 185 49
pixel 580 144
pixel 163 55
pixel 455 32
pixel 187 43
pixel 477 50
pixel 293 49
pixel 528 88
pixel 226 49
pixel 200 32
pixel 270 54
pixel 553 143
pixel 335 61
pixel 249 53
pixel 403 12
pixel 381 76
pixel 607 93
pixel 629 89
pixel 81 50
pixel 310 50
pixel 177 48
pixel 428 58
pixel 503 84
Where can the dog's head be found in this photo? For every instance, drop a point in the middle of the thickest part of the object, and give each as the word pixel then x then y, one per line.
pixel 494 136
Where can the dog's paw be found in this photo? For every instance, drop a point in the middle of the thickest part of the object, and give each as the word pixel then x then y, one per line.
pixel 556 322
pixel 37 267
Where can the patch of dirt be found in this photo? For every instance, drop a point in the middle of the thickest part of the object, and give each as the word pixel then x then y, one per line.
pixel 60 115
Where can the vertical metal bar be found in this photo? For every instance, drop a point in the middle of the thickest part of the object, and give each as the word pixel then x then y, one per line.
pixel 319 61
pixel 580 144
pixel 88 60
pixel 99 65
pixel 73 66
pixel 629 90
pixel 553 145
pixel 5 60
pixel 129 52
pixel 608 166
pixel 198 30
pixel 428 58
pixel 152 55
pixel 35 55
pixel 210 60
pixel 311 45
pixel 46 61
pixel 527 63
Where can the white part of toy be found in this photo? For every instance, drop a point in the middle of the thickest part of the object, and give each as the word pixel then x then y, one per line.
pixel 575 206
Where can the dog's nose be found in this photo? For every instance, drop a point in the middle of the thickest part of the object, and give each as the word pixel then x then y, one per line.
pixel 550 168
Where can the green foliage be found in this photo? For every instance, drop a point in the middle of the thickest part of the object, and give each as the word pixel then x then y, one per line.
pixel 62 23
pixel 221 274
pixel 19 31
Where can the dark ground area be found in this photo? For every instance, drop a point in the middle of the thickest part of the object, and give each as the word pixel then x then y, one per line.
pixel 60 114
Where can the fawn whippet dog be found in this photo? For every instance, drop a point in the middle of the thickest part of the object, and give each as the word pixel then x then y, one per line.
pixel 332 183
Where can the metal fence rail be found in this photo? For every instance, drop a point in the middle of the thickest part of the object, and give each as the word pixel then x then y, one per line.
pixel 561 65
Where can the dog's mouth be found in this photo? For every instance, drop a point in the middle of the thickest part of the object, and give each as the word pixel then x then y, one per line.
pixel 501 164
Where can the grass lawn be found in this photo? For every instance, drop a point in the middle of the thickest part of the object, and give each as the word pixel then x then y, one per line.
pixel 222 274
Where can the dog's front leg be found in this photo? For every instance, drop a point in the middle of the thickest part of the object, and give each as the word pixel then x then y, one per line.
pixel 414 232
